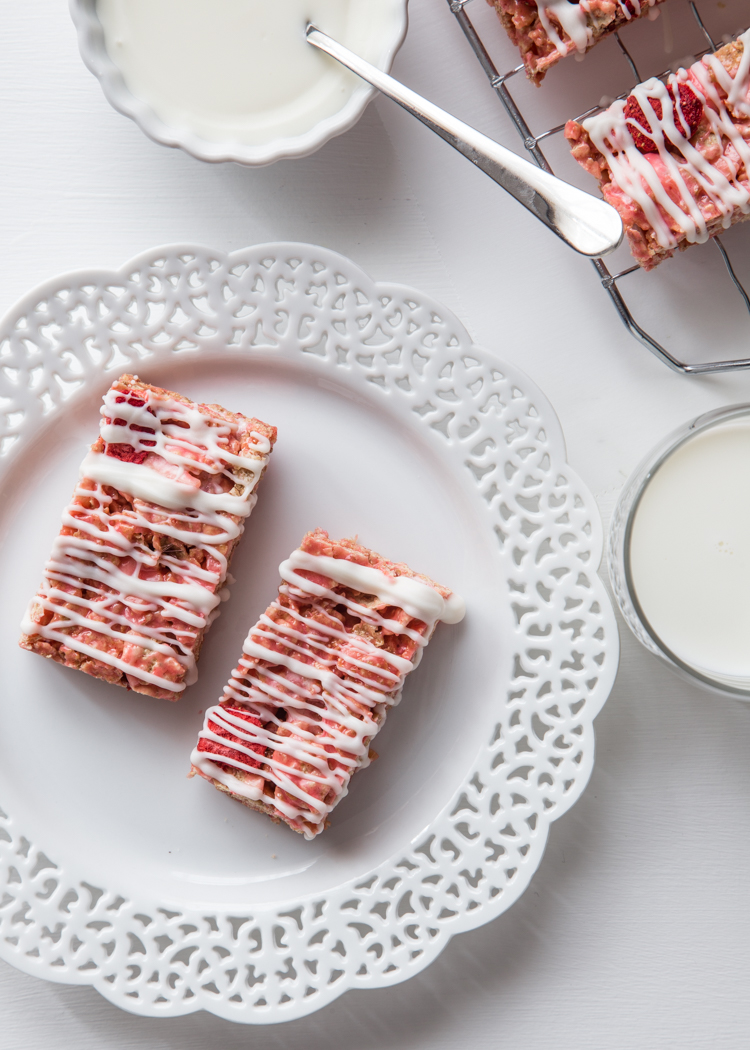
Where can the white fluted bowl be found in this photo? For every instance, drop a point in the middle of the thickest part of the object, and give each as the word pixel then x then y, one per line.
pixel 389 36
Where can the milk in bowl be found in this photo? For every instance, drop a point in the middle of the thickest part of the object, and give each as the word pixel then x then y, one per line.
pixel 241 70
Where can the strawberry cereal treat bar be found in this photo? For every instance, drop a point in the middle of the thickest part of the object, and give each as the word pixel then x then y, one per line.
pixel 547 30
pixel 138 567
pixel 674 158
pixel 316 677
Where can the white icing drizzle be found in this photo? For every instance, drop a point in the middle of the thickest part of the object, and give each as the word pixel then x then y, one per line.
pixel 145 483
pixel 417 599
pixel 334 687
pixel 153 604
pixel 643 176
pixel 572 19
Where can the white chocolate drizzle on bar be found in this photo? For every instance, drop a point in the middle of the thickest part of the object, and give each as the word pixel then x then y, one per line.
pixel 642 176
pixel 571 17
pixel 154 487
pixel 128 600
pixel 417 599
pixel 331 740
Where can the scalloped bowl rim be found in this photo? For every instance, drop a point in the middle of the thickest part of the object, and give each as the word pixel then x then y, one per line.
pixel 94 54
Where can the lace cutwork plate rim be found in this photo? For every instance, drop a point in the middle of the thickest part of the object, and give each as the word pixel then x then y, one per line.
pixel 491 427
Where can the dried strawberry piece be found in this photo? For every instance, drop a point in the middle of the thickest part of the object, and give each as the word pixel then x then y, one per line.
pixel 125 453
pixel 690 105
pixel 226 750
pixel 143 430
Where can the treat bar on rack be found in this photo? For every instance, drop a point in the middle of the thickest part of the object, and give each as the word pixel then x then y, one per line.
pixel 674 157
pixel 137 570
pixel 547 30
pixel 317 675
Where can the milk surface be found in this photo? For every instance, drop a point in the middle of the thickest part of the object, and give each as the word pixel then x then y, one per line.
pixel 690 550
pixel 241 70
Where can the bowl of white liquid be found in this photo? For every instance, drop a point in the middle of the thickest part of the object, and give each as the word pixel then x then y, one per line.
pixel 679 551
pixel 235 80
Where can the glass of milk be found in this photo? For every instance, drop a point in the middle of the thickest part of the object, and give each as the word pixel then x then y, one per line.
pixel 679 551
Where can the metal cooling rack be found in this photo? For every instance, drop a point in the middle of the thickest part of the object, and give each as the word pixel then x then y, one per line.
pixel 610 282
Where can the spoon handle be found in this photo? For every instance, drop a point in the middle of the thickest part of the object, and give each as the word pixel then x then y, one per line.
pixel 588 224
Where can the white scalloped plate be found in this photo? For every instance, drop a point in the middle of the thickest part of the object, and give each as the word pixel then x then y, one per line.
pixel 384 41
pixel 117 871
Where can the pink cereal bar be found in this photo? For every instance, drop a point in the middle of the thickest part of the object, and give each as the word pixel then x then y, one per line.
pixel 317 675
pixel 138 567
pixel 674 158
pixel 545 31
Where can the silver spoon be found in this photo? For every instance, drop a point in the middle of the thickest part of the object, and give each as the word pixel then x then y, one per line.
pixel 589 225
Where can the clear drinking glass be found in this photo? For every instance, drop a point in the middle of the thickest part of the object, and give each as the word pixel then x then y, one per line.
pixel 619 558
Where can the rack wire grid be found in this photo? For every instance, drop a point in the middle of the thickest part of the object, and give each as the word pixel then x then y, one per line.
pixel 609 281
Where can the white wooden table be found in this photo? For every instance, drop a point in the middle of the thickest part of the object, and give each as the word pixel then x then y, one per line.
pixel 636 929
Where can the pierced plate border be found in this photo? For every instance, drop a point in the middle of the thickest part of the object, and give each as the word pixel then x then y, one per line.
pixel 300 302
